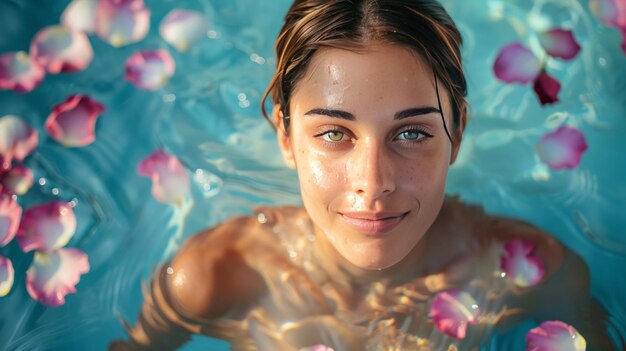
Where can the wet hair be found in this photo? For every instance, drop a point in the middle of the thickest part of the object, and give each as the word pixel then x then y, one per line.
pixel 422 26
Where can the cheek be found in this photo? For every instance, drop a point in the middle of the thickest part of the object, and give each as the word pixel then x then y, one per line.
pixel 319 176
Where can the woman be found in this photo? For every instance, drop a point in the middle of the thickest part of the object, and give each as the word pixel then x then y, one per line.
pixel 369 108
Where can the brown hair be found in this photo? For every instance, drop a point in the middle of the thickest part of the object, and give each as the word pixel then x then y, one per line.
pixel 420 25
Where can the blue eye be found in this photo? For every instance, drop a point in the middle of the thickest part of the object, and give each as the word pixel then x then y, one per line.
pixel 410 135
pixel 333 136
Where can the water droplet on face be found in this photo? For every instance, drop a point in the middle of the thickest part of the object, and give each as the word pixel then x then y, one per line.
pixel 169 270
pixel 261 218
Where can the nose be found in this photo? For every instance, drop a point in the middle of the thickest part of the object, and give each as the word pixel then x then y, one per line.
pixel 371 169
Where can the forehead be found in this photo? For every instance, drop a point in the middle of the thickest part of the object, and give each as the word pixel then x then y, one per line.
pixel 381 73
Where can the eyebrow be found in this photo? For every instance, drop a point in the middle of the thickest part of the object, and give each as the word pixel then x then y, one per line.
pixel 411 112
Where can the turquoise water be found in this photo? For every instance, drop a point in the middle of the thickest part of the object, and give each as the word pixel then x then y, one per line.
pixel 208 116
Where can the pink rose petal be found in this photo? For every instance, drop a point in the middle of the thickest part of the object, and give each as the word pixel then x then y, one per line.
pixel 54 274
pixel 317 347
pixel 59 49
pixel 170 183
pixel 516 63
pixel 10 214
pixel 6 275
pixel 46 227
pixel 560 43
pixel 122 22
pixel 555 336
pixel 17 140
pixel 520 265
pixel 150 70
pixel 73 122
pixel 19 72
pixel 452 311
pixel 80 15
pixel 546 88
pixel 610 12
pixel 17 181
pixel 562 148
pixel 182 28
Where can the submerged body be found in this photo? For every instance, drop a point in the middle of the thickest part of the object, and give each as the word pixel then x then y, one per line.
pixel 263 283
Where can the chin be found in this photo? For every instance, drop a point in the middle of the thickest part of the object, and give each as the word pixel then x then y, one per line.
pixel 375 261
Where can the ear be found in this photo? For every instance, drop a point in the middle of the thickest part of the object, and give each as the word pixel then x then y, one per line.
pixel 284 142
pixel 458 136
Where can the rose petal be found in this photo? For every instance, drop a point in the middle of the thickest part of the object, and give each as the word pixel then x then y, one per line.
pixel 10 214
pixel 555 336
pixel 623 46
pixel 122 22
pixel 6 275
pixel 317 347
pixel 52 275
pixel 516 63
pixel 17 181
pixel 452 311
pixel 170 183
pixel 560 43
pixel 59 49
pixel 17 140
pixel 73 122
pixel 546 88
pixel 562 148
pixel 19 72
pixel 520 265
pixel 149 70
pixel 610 12
pixel 46 227
pixel 182 29
pixel 80 15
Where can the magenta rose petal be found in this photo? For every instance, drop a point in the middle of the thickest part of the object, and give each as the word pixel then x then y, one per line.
pixel 46 227
pixel 610 12
pixel 19 72
pixel 562 148
pixel 73 122
pixel 519 263
pixel 555 336
pixel 6 275
pixel 10 214
pixel 546 88
pixel 17 181
pixel 452 311
pixel 560 43
pixel 80 15
pixel 17 140
pixel 170 183
pixel 182 28
pixel 60 49
pixel 516 63
pixel 122 22
pixel 54 274
pixel 149 70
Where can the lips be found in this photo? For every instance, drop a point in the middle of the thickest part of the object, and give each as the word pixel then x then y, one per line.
pixel 373 223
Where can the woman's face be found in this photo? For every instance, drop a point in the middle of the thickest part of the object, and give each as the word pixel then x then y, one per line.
pixel 371 152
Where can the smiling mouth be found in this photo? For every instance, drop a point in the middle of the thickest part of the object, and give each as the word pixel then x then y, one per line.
pixel 373 224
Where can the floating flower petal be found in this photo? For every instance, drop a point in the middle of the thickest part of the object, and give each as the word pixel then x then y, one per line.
pixel 452 311
pixel 46 227
pixel 16 181
pixel 516 63
pixel 19 72
pixel 520 265
pixel 122 22
pixel 555 336
pixel 317 347
pixel 59 49
pixel 10 214
pixel 6 275
pixel 562 148
pixel 80 15
pixel 546 88
pixel 52 275
pixel 17 140
pixel 610 12
pixel 182 29
pixel 560 43
pixel 73 122
pixel 150 70
pixel 170 183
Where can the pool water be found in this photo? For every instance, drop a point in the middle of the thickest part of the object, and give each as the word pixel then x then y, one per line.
pixel 208 116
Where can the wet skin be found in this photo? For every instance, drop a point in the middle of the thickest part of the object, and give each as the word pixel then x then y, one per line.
pixel 372 156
